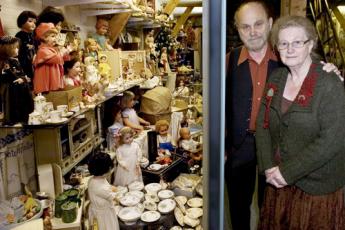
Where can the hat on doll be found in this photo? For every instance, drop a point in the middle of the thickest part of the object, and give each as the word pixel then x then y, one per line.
pixel 8 40
pixel 44 28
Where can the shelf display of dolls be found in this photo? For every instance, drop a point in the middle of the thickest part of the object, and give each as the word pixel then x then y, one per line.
pixel 26 21
pixel 102 26
pixel 93 89
pixel 15 94
pixel 104 69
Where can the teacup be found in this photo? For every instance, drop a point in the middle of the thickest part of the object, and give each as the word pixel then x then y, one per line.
pixel 63 109
pixel 55 116
pixel 35 118
pixel 48 106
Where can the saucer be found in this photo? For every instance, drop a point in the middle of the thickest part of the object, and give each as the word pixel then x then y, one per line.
pixel 153 187
pixel 155 167
pixel 150 216
pixel 166 206
pixel 64 119
pixel 165 194
pixel 195 202
pixel 194 213
pixel 68 114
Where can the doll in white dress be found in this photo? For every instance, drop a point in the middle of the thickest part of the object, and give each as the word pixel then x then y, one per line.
pixel 102 209
pixel 128 156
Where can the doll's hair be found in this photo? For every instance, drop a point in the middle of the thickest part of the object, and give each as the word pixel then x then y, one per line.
pixel 88 42
pixel 115 110
pixel 24 16
pixel 183 131
pixel 126 98
pixel 100 163
pixel 161 123
pixel 69 64
pixel 101 22
pixel 51 14
pixel 124 131
pixel 7 46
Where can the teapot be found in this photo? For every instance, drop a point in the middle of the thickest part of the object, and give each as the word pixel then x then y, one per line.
pixel 40 102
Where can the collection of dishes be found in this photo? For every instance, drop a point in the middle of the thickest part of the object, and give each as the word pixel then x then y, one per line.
pixel 149 202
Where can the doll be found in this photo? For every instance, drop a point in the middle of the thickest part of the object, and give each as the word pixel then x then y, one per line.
pixel 181 90
pixel 113 130
pixel 102 26
pixel 26 21
pixel 129 115
pixel 163 137
pixel 150 43
pixel 104 69
pixel 91 48
pixel 15 94
pixel 187 143
pixel 72 70
pixel 101 193
pixel 164 60
pixel 49 61
pixel 91 83
pixel 53 15
pixel 128 156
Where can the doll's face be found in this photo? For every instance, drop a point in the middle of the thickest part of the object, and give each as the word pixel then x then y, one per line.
pixel 29 25
pixel 103 59
pixel 163 130
pixel 75 70
pixel 128 138
pixel 93 45
pixel 58 26
pixel 185 134
pixel 103 29
pixel 50 39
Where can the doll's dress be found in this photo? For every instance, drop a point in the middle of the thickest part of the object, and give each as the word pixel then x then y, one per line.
pixel 26 52
pixel 128 155
pixel 102 205
pixel 189 145
pixel 132 115
pixel 164 142
pixel 69 81
pixel 48 69
pixel 16 99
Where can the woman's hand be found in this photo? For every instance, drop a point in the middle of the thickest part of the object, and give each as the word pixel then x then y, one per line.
pixel 275 178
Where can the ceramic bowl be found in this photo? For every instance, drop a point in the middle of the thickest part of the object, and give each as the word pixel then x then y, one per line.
pixel 129 200
pixel 138 194
pixel 153 188
pixel 136 186
pixel 150 216
pixel 166 206
pixel 129 215
pixel 165 194
pixel 195 202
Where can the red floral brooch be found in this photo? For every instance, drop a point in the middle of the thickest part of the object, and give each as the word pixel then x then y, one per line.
pixel 271 90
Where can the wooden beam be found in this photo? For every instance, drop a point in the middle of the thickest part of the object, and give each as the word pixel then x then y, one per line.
pixel 186 4
pixel 181 20
pixel 72 2
pixel 169 8
pixel 116 25
pixel 96 12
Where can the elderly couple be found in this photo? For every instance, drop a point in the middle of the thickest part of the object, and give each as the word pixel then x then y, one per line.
pixel 285 112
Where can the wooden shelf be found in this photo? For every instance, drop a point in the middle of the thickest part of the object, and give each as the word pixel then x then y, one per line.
pixel 81 129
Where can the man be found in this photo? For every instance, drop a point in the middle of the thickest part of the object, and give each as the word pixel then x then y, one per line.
pixel 248 68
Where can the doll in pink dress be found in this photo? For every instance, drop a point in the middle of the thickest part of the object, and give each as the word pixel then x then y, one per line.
pixel 49 61
pixel 128 156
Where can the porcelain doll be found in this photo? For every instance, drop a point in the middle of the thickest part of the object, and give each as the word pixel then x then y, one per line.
pixel 163 137
pixel 104 68
pixel 150 43
pixel 187 143
pixel 26 21
pixel 91 48
pixel 102 27
pixel 129 115
pixel 181 90
pixel 73 72
pixel 93 89
pixel 128 156
pixel 113 136
pixel 101 193
pixel 49 61
pixel 15 94
pixel 164 60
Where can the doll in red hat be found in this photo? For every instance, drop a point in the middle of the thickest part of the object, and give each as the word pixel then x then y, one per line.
pixel 49 61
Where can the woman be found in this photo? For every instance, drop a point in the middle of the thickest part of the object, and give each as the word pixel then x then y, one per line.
pixel 300 136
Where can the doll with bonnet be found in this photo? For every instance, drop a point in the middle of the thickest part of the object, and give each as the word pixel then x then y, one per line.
pixel 187 143
pixel 49 61
pixel 16 101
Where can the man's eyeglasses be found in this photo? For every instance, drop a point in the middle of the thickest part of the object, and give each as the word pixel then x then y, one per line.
pixel 295 44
